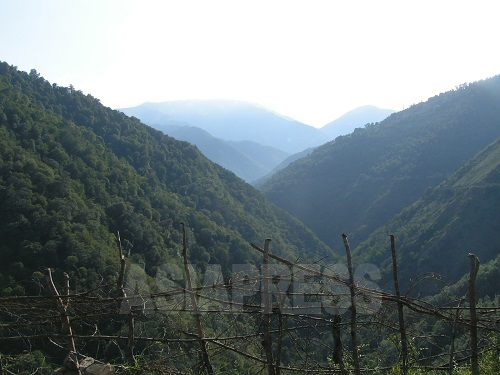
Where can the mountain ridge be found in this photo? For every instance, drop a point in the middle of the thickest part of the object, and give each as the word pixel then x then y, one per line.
pixel 359 181
pixel 456 217
pixel 73 173
pixel 233 121
pixel 355 118
pixel 247 159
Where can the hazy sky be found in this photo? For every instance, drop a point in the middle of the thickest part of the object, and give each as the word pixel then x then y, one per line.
pixel 310 60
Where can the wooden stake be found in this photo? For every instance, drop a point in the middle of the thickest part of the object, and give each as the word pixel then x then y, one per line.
pixel 353 306
pixel 474 268
pixel 123 266
pixel 131 337
pixel 65 299
pixel 402 330
pixel 66 324
pixel 338 349
pixel 280 341
pixel 452 344
pixel 121 288
pixel 267 342
pixel 189 287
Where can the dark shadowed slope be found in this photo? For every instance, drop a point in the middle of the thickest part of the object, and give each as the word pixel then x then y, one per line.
pixel 285 163
pixel 358 182
pixel 436 233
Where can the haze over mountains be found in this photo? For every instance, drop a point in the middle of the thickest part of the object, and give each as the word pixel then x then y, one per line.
pixel 233 121
pixel 223 123
pixel 356 118
pixel 246 159
pixel 73 173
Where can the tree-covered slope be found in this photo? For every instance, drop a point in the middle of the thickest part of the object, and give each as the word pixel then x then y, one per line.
pixel 358 182
pixel 436 233
pixel 73 173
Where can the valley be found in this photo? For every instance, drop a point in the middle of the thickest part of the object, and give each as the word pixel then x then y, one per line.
pixel 144 206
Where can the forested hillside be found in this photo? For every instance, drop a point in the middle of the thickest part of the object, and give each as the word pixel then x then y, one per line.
pixel 73 173
pixel 458 217
pixel 358 182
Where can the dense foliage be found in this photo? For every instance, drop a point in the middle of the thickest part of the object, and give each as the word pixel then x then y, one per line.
pixel 437 232
pixel 358 182
pixel 73 173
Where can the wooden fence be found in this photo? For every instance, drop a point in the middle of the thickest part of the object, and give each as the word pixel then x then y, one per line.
pixel 283 337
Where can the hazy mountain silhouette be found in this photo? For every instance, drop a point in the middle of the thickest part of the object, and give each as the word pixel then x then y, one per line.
pixel 248 160
pixel 285 163
pixel 234 121
pixel 357 118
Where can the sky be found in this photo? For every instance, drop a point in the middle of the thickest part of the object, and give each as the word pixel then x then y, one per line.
pixel 311 60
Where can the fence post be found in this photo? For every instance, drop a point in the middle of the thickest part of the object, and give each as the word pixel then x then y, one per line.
pixel 280 341
pixel 267 342
pixel 123 294
pixel 338 350
pixel 123 266
pixel 453 333
pixel 189 287
pixel 63 310
pixel 402 330
pixel 353 306
pixel 474 267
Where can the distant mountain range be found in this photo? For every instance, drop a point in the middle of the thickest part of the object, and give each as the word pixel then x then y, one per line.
pixel 75 176
pixel 357 118
pixel 232 121
pixel 246 159
pixel 216 127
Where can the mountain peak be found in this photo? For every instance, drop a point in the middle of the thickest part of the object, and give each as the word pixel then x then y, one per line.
pixel 356 118
pixel 233 120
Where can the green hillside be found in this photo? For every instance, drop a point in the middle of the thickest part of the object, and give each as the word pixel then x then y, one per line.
pixel 436 233
pixel 73 173
pixel 358 182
